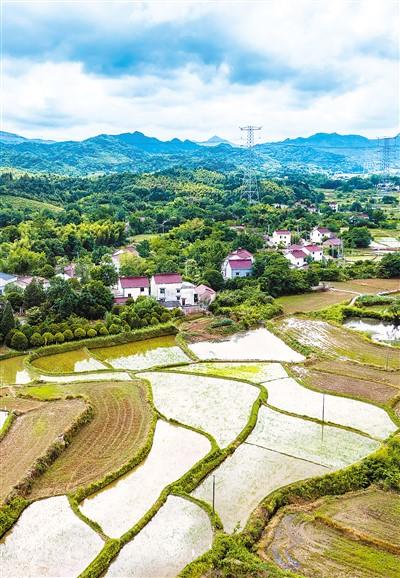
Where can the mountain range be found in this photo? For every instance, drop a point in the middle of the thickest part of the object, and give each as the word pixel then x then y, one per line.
pixel 136 152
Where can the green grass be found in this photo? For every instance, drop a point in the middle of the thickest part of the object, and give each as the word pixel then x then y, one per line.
pixel 311 301
pixel 23 203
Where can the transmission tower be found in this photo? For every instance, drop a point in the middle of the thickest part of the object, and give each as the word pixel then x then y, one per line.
pixel 249 177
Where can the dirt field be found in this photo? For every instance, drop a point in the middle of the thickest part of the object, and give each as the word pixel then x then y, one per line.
pixel 19 405
pixel 371 390
pixel 352 536
pixel 30 436
pixel 312 301
pixel 359 371
pixel 118 430
pixel 335 341
pixel 367 285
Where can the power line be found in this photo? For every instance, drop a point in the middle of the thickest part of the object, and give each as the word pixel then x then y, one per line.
pixel 249 177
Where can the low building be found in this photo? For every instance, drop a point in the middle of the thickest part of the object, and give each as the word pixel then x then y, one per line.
pixel 119 254
pixel 6 279
pixel 297 258
pixel 314 251
pixel 24 280
pixel 319 234
pixel 189 295
pixel 133 287
pixel 334 206
pixel 205 294
pixel 239 263
pixel 333 246
pixel 281 237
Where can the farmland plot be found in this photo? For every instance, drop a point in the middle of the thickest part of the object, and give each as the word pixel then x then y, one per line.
pixel 289 395
pixel 143 354
pixel 30 437
pixel 259 344
pixel 118 507
pixel 217 406
pixel 13 371
pixel 256 372
pixel 119 429
pixel 48 540
pixel 73 378
pixel 338 341
pixel 178 533
pixel 68 362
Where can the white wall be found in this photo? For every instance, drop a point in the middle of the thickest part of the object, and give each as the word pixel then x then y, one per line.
pixel 170 292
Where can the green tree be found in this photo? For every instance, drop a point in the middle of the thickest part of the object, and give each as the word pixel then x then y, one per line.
pixel 19 341
pixel 390 265
pixel 7 322
pixel 105 273
pixel 34 294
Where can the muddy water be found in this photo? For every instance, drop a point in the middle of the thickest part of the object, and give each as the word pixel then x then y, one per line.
pixel 68 362
pixel 13 371
pixel 143 354
pixel 48 540
pixel 246 477
pixel 178 533
pixel 118 507
pixel 259 344
pixel 218 406
pixel 289 395
pixel 378 330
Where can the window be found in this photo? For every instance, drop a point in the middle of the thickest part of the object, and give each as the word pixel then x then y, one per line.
pixel 237 273
pixel 142 289
pixel 196 298
pixel 178 290
pixel 162 290
pixel 129 294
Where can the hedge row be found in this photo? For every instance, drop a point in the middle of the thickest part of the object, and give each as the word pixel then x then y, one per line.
pixel 9 513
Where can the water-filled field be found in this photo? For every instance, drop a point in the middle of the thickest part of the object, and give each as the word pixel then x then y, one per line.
pixel 252 371
pixel 13 371
pixel 259 344
pixel 378 330
pixel 68 362
pixel 48 540
pixel 217 406
pixel 178 533
pixel 289 395
pixel 118 507
pixel 143 354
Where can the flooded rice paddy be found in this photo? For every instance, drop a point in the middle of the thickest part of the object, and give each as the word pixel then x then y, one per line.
pixel 13 371
pixel 143 354
pixel 377 329
pixel 258 344
pixel 178 533
pixel 290 396
pixel 100 376
pixel 68 362
pixel 48 540
pixel 218 406
pixel 119 506
pixel 256 372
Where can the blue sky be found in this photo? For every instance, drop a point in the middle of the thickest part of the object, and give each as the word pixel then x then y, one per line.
pixel 191 69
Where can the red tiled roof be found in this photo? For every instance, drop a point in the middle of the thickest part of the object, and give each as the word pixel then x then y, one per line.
pixel 120 300
pixel 282 232
pixel 313 248
pixel 240 263
pixel 298 254
pixel 323 230
pixel 167 278
pixel 202 289
pixel 333 241
pixel 295 247
pixel 242 253
pixel 134 282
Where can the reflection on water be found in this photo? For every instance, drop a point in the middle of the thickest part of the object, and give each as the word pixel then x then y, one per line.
pixel 378 330
pixel 12 371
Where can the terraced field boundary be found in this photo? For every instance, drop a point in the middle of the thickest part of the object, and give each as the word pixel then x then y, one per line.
pixel 10 419
pixel 237 552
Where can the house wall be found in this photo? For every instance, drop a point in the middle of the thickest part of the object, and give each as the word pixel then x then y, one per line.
pixel 281 239
pixel 135 292
pixel 188 296
pixel 172 291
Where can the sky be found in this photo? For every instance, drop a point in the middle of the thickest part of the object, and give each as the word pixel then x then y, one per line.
pixel 193 69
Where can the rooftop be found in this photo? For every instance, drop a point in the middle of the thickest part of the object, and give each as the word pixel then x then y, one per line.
pixel 240 263
pixel 282 232
pixel 298 254
pixel 167 278
pixel 134 282
pixel 7 277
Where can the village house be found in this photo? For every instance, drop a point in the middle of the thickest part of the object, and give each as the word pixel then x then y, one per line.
pixel 133 287
pixel 239 263
pixel 119 254
pixel 314 252
pixel 281 237
pixel 205 294
pixel 297 258
pixel 319 234
pixel 6 279
pixel 171 291
pixel 24 280
pixel 334 246
pixel 334 206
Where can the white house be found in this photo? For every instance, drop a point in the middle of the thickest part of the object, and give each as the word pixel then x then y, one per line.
pixel 117 255
pixel 319 234
pixel 205 294
pixel 6 279
pixel 189 295
pixel 297 257
pixel 24 280
pixel 133 287
pixel 314 252
pixel 281 237
pixel 334 206
pixel 239 263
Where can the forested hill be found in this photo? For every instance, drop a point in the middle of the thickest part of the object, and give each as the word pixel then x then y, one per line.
pixel 136 152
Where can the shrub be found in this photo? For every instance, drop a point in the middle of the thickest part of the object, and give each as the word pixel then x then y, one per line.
pixel 79 333
pixel 36 340
pixel 48 338
pixel 103 330
pixel 19 341
pixel 91 332
pixel 113 329
pixel 68 335
pixel 59 337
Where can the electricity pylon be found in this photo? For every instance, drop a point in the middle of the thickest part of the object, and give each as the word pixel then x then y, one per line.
pixel 249 177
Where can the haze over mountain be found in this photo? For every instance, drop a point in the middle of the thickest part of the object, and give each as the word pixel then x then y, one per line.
pixel 136 152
